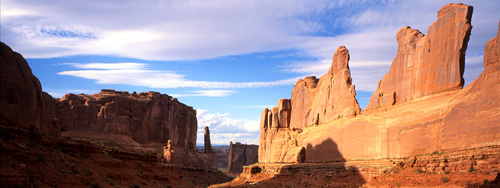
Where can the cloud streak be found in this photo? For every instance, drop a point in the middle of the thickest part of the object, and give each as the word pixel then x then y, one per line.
pixel 133 74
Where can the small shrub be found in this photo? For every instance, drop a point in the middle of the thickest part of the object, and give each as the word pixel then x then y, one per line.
pixel 420 171
pixel 385 171
pixel 96 185
pixel 445 179
pixel 435 152
pixel 447 172
pixel 471 169
pixel 485 181
pixel 468 183
pixel 111 182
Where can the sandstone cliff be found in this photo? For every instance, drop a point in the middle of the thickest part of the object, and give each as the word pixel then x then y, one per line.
pixel 241 155
pixel 426 65
pixel 21 96
pixel 329 98
pixel 433 113
pixel 143 121
pixel 313 102
pixel 147 116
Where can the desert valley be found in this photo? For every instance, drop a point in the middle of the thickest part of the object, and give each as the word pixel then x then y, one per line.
pixel 423 127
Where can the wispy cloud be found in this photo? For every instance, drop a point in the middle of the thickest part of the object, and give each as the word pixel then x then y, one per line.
pixel 186 30
pixel 223 128
pixel 134 74
pixel 206 93
pixel 111 66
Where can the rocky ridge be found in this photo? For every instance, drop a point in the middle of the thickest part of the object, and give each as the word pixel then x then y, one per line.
pixel 419 108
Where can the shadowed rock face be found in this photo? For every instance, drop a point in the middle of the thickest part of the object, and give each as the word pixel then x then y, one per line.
pixel 241 155
pixel 21 96
pixel 143 120
pixel 426 65
pixel 432 113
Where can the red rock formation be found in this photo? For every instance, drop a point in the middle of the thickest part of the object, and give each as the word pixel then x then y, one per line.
pixel 426 65
pixel 241 155
pixel 313 102
pixel 208 145
pixel 448 120
pixel 329 98
pixel 148 116
pixel 21 96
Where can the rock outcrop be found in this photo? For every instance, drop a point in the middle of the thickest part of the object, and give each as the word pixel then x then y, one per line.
pixel 21 96
pixel 168 153
pixel 148 116
pixel 241 155
pixel 444 118
pixel 426 65
pixel 208 144
pixel 329 98
pixel 138 121
pixel 314 101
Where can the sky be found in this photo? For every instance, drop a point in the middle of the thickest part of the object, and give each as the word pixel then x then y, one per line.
pixel 229 59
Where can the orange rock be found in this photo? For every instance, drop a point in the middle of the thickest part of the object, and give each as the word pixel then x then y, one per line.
pixel 241 155
pixel 331 97
pixel 426 65
pixel 450 119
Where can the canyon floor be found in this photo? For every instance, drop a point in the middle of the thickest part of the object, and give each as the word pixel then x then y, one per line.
pixel 28 159
pixel 477 167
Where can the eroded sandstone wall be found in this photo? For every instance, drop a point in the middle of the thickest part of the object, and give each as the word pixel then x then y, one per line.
pixel 241 155
pixel 148 116
pixel 432 114
pixel 21 96
pixel 426 65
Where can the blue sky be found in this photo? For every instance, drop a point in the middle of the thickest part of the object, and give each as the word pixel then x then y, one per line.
pixel 228 59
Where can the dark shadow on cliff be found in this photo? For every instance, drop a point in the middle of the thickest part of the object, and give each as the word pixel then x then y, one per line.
pixel 324 166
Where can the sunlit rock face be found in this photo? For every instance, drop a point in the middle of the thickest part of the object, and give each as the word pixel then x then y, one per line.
pixel 426 65
pixel 418 108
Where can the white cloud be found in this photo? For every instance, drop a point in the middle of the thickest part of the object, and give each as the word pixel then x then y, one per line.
pixel 116 66
pixel 223 128
pixel 182 30
pixel 128 74
pixel 206 93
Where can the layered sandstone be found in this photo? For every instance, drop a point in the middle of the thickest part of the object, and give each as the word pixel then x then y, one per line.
pixel 448 120
pixel 147 116
pixel 329 98
pixel 137 121
pixel 314 101
pixel 426 65
pixel 241 155
pixel 21 96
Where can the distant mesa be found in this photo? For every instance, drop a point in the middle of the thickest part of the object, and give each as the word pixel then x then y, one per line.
pixel 241 155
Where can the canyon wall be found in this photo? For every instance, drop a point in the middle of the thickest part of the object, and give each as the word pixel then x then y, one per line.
pixel 21 96
pixel 418 108
pixel 241 155
pixel 137 121
pixel 426 65
pixel 148 116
